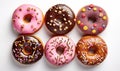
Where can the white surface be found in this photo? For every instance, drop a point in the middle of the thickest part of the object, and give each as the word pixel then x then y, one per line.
pixel 111 35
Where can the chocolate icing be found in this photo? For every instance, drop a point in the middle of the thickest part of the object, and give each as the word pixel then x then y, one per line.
pixel 27 49
pixel 60 19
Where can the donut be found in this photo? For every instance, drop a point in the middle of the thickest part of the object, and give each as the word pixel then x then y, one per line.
pixel 27 19
pixel 91 50
pixel 60 50
pixel 60 19
pixel 92 19
pixel 27 49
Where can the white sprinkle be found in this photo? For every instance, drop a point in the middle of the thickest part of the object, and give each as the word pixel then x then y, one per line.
pixel 66 28
pixel 55 29
pixel 69 21
pixel 59 12
pixel 55 10
pixel 74 19
pixel 59 7
pixel 64 19
pixel 60 26
pixel 54 19
pixel 60 29
pixel 50 9
pixel 65 22
pixel 51 21
pixel 63 14
pixel 59 22
pixel 51 16
pixel 48 23
pixel 63 10
pixel 53 24
pixel 56 7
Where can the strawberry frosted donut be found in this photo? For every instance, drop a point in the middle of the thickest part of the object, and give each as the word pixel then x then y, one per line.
pixel 27 19
pixel 60 50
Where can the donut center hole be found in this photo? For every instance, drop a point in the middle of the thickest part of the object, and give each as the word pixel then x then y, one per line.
pixel 92 50
pixel 92 19
pixel 27 18
pixel 27 50
pixel 60 50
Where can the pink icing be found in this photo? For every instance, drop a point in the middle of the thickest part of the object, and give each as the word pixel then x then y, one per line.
pixel 52 55
pixel 23 27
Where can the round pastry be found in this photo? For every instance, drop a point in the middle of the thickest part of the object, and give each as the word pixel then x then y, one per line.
pixel 60 19
pixel 92 19
pixel 27 19
pixel 91 50
pixel 60 50
pixel 27 49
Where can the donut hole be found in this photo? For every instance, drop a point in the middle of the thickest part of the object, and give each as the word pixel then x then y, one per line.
pixel 92 19
pixel 27 50
pixel 92 50
pixel 27 18
pixel 60 50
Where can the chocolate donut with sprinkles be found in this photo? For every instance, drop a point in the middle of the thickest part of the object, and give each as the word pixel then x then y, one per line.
pixel 60 19
pixel 91 50
pixel 60 50
pixel 92 19
pixel 27 49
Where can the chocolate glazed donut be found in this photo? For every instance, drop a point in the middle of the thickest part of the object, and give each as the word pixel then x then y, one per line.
pixel 27 49
pixel 92 19
pixel 60 19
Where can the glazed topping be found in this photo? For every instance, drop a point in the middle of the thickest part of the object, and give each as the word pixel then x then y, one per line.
pixel 27 49
pixel 60 19
pixel 91 50
pixel 92 17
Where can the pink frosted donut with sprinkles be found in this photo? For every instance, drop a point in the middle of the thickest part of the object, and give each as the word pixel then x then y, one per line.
pixel 60 50
pixel 91 50
pixel 27 19
pixel 92 19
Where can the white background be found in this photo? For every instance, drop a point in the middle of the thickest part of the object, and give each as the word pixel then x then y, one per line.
pixel 111 35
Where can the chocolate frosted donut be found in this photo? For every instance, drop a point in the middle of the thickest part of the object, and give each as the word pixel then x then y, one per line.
pixel 59 19
pixel 92 19
pixel 27 49
pixel 91 50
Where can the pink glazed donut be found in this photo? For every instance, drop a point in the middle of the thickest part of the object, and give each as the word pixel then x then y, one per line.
pixel 60 50
pixel 27 19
